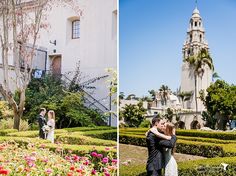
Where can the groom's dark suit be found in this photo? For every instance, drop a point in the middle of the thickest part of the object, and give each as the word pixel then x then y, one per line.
pixel 42 122
pixel 155 153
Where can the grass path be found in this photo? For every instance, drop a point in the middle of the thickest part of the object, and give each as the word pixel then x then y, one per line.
pixel 138 157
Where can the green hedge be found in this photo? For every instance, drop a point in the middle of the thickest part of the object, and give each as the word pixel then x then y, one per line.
pixel 187 147
pixel 203 167
pixel 33 134
pixel 192 133
pixel 23 141
pixel 103 134
pixel 208 140
pixel 89 128
pixel 77 138
pixel 7 131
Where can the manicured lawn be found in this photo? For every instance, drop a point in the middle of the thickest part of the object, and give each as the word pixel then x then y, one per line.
pixel 133 159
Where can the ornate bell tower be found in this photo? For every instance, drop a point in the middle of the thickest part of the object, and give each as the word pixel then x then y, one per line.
pixel 194 42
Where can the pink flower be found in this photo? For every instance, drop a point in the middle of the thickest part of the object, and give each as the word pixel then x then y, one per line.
pixel 30 164
pixel 86 162
pixel 94 154
pixel 76 158
pixel 32 158
pixel 34 153
pixel 114 160
pixel 107 148
pixel 106 174
pixel 49 171
pixel 93 172
pixel 105 160
pixel 100 155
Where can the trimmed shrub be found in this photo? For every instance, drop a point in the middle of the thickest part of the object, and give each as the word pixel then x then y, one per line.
pixel 187 147
pixel 23 141
pixel 7 131
pixel 97 128
pixel 208 140
pixel 209 167
pixel 145 124
pixel 77 138
pixel 203 167
pixel 33 134
pixel 106 134
pixel 192 133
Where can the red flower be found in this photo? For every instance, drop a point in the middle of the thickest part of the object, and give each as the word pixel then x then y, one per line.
pixel 70 174
pixel 78 170
pixel 4 172
pixel 72 168
pixel 93 172
pixel 76 158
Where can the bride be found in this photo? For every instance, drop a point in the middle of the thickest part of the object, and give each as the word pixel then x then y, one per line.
pixel 51 124
pixel 171 168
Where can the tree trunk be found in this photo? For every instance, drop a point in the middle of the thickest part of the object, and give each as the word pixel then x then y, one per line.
pixel 195 84
pixel 17 118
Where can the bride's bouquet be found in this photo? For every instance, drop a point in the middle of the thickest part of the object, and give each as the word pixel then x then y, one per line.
pixel 46 128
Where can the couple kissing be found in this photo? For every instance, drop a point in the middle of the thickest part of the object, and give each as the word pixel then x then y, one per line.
pixel 161 140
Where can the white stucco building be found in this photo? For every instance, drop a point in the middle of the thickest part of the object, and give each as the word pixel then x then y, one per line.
pixel 89 37
pixel 195 41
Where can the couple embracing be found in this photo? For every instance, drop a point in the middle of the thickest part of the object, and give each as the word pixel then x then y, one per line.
pixel 161 141
pixel 46 128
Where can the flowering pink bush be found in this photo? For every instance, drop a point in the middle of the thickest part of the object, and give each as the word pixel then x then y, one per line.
pixel 32 160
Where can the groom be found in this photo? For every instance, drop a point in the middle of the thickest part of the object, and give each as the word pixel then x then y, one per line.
pixel 42 122
pixel 155 145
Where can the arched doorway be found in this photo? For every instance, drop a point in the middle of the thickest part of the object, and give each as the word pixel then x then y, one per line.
pixel 181 125
pixel 195 125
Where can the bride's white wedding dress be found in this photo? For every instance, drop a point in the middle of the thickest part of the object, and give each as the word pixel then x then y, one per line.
pixel 171 168
pixel 50 135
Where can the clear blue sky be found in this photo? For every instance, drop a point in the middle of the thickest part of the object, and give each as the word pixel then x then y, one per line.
pixel 152 33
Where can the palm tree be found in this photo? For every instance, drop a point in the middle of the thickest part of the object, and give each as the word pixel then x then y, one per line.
pixel 215 76
pixel 198 62
pixel 184 96
pixel 152 94
pixel 164 93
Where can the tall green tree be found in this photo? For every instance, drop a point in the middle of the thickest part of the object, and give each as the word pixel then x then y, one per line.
pixel 220 101
pixel 133 115
pixel 184 96
pixel 152 94
pixel 215 76
pixel 197 63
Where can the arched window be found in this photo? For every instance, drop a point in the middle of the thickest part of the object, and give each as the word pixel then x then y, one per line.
pixel 190 38
pixel 195 23
pixel 199 23
pixel 200 37
pixel 75 29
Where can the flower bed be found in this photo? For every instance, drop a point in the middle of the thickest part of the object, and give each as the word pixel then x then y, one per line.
pixel 33 160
